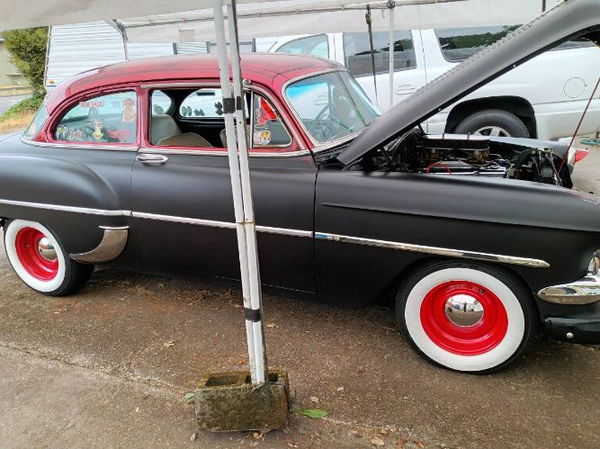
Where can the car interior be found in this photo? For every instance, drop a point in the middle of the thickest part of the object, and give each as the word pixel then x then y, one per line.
pixel 194 118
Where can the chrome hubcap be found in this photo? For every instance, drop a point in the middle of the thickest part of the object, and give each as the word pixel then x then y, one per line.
pixel 492 131
pixel 46 249
pixel 463 310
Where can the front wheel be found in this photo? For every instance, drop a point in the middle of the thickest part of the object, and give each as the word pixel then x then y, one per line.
pixel 37 257
pixel 465 316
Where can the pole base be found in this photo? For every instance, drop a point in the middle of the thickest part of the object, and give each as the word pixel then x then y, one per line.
pixel 227 402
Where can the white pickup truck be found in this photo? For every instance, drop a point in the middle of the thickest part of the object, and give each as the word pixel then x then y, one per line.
pixel 543 98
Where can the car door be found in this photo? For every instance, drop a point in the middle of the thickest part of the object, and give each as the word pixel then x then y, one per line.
pixel 94 138
pixel 183 217
pixel 409 67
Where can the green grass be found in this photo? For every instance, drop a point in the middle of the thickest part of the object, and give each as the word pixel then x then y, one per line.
pixel 18 116
pixel 25 106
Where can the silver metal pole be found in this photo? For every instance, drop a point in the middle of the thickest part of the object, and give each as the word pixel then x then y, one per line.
pixel 392 40
pixel 234 173
pixel 254 315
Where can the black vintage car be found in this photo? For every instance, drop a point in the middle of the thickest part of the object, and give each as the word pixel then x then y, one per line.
pixel 483 239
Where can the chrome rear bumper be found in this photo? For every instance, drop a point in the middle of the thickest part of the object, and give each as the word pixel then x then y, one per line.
pixel 583 291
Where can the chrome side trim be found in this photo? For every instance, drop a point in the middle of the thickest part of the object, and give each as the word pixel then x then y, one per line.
pixel 74 209
pixel 80 146
pixel 218 153
pixel 583 291
pixel 284 231
pixel 185 220
pixel 220 224
pixel 501 258
pixel 110 247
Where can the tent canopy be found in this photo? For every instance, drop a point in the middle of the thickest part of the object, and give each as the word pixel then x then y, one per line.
pixel 158 20
pixel 288 17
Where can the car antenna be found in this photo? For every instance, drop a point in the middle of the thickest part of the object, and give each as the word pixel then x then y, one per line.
pixel 587 106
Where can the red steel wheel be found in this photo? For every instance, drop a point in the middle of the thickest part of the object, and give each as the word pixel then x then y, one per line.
pixel 463 317
pixel 37 254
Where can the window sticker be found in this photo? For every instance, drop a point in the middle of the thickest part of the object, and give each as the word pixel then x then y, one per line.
pixel 75 135
pixel 128 111
pixel 262 137
pixel 91 104
pixel 98 134
pixel 62 132
pixel 120 134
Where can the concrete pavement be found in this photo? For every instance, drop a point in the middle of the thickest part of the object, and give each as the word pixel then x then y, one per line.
pixel 7 102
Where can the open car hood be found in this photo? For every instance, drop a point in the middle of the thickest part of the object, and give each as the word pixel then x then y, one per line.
pixel 570 19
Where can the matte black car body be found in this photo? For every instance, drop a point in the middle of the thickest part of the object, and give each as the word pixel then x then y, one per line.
pixel 343 235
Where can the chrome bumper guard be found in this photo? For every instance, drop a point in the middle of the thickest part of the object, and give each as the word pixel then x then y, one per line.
pixel 583 291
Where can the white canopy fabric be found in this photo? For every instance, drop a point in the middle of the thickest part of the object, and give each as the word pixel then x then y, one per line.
pixel 22 14
pixel 277 18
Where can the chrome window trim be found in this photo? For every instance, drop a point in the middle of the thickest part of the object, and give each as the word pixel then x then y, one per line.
pixel 438 251
pixel 317 146
pixel 80 146
pixel 250 86
pixel 74 209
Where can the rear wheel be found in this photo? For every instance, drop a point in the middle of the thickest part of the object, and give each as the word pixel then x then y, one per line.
pixel 37 257
pixel 493 122
pixel 465 316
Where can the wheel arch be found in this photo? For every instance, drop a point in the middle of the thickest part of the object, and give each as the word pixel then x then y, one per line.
pixel 390 291
pixel 518 106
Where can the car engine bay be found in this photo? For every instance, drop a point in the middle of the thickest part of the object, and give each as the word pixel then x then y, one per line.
pixel 470 155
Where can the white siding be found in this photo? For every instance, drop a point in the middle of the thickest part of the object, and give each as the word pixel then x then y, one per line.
pixel 76 48
pixel 186 48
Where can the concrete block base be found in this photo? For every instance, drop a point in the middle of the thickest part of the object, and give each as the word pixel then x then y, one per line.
pixel 228 402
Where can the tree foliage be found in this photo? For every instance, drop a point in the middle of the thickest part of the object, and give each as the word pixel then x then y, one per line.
pixel 28 49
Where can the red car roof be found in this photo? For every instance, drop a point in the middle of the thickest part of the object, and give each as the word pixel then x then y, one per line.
pixel 270 69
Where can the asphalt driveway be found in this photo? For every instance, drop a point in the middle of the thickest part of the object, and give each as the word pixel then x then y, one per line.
pixel 108 368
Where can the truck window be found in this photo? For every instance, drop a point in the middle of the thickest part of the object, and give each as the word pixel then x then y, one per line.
pixel 458 44
pixel 357 51
pixel 316 45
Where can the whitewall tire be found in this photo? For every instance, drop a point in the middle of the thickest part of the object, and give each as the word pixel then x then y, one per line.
pixel 38 258
pixel 466 317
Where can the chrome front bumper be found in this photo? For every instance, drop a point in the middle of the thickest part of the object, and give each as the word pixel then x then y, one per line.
pixel 583 291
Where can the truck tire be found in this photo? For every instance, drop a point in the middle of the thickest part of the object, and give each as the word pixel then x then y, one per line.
pixel 37 257
pixel 466 316
pixel 493 122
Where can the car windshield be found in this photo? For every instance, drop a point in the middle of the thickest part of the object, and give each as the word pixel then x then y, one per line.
pixel 331 106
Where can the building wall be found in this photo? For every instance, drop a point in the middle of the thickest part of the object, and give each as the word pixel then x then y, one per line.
pixel 9 74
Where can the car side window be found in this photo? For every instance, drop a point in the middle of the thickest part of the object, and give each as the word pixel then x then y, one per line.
pixel 108 118
pixel 317 45
pixel 268 129
pixel 357 51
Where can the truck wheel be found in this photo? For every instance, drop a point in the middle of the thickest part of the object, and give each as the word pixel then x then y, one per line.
pixel 37 257
pixel 493 122
pixel 465 316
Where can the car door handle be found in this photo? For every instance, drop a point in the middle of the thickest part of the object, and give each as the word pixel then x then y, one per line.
pixel 152 159
pixel 405 89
